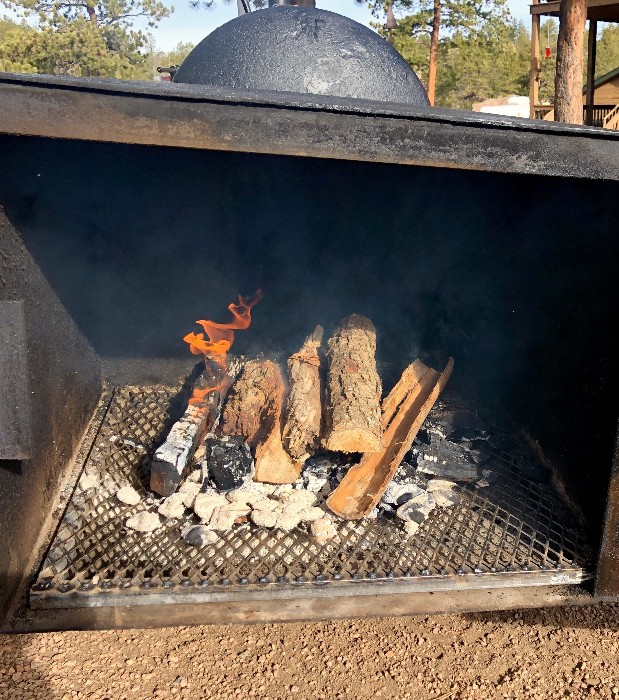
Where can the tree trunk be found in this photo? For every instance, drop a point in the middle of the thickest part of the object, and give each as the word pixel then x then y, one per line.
pixel 436 27
pixel 568 77
pixel 92 15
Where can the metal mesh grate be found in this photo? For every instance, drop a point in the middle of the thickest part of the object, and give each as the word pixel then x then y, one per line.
pixel 514 532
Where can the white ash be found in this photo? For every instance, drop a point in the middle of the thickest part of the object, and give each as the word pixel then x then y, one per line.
pixel 411 527
pixel 324 530
pixel 145 521
pixel 128 443
pixel 89 481
pixel 283 488
pixel 446 499
pixel 200 455
pixel 200 536
pixel 444 492
pixel 128 495
pixel 398 493
pixel 417 509
pixel 224 517
pixel 246 496
pixel 205 504
pixel 189 491
pixel 264 503
pixel 258 487
pixel 195 476
pixel 309 515
pixel 315 484
pixel 296 501
pixel 287 520
pixel 264 518
pixel 173 506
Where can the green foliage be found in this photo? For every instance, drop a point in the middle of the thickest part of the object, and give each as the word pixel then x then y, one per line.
pixel 549 33
pixel 80 37
pixel 155 58
pixel 489 62
pixel 607 50
pixel 482 51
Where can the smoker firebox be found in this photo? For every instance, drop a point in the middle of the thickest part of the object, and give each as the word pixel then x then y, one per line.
pixel 129 211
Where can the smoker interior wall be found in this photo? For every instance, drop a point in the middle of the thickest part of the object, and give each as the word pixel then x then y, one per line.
pixel 62 381
pixel 513 275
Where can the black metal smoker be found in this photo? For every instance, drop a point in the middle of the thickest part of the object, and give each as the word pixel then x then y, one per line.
pixel 488 238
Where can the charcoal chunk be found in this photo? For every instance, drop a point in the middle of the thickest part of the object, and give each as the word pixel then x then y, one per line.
pixel 445 459
pixel 228 461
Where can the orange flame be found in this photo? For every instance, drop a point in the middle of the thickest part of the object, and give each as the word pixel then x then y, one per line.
pixel 220 338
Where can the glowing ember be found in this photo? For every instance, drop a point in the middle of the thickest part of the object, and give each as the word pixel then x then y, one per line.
pixel 219 338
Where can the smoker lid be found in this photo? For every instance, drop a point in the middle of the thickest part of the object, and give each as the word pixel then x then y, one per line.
pixel 302 50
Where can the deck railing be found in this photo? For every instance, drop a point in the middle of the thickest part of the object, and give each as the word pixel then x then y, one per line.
pixel 611 120
pixel 600 114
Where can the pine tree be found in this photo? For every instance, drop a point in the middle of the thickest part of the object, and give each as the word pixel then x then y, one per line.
pixel 83 37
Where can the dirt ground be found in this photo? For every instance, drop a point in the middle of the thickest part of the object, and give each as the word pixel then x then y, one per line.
pixel 554 653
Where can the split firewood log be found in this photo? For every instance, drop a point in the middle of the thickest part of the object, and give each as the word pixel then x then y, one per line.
pixel 403 415
pixel 253 402
pixel 353 415
pixel 301 433
pixel 254 410
pixel 173 456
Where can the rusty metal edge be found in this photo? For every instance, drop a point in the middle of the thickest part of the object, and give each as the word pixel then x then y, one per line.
pixel 287 124
pixel 137 596
pixel 303 609
pixel 292 100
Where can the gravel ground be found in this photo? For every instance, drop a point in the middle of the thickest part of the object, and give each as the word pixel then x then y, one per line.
pixel 554 653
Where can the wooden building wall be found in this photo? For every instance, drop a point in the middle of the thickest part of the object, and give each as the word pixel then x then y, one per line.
pixel 606 94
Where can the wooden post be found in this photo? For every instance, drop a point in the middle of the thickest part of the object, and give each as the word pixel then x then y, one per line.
pixel 436 26
pixel 591 56
pixel 534 71
pixel 568 78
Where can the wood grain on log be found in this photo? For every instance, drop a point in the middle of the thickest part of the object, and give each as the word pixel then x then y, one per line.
pixel 364 484
pixel 353 416
pixel 173 456
pixel 254 402
pixel 254 410
pixel 301 433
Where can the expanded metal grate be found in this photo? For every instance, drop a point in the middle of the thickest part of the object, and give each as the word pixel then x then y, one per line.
pixel 516 531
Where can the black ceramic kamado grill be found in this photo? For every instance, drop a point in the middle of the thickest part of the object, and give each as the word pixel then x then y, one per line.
pixel 298 155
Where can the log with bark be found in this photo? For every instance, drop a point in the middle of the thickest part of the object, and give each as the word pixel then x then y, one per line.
pixel 353 415
pixel 405 410
pixel 254 410
pixel 301 433
pixel 172 458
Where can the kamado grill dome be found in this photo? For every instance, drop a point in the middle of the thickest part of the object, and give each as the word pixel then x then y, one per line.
pixel 302 50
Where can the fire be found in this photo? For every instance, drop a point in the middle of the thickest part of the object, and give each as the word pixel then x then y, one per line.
pixel 219 338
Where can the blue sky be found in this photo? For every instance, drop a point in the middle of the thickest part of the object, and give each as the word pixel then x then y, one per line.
pixel 186 24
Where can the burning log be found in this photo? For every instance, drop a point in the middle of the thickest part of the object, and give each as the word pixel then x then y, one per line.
pixel 404 413
pixel 254 411
pixel 172 458
pixel 301 434
pixel 253 402
pixel 353 415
